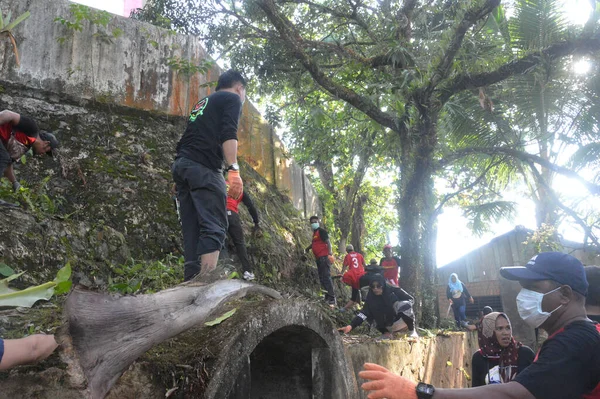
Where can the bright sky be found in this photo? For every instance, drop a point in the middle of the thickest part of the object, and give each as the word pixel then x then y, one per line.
pixel 454 237
pixel 112 6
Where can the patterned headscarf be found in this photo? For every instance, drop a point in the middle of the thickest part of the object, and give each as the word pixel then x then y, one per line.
pixel 491 348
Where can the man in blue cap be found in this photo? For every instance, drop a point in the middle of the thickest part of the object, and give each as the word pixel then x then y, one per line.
pixel 552 297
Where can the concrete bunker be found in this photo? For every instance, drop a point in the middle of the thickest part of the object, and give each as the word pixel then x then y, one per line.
pixel 285 348
pixel 294 360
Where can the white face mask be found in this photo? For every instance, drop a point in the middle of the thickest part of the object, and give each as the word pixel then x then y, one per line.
pixel 529 305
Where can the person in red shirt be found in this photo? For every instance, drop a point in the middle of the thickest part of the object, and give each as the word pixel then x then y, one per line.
pixel 321 248
pixel 19 133
pixel 355 263
pixel 391 266
pixel 236 232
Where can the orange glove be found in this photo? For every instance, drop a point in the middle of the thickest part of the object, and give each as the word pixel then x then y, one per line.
pixel 236 186
pixel 385 384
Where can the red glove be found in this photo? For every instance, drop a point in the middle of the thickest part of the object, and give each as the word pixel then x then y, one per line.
pixel 236 186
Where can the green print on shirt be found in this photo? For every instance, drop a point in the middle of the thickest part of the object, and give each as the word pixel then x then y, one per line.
pixel 198 109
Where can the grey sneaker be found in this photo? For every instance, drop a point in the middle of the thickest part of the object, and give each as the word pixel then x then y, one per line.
pixel 249 276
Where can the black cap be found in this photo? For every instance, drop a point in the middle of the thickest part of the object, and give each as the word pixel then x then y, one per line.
pixel 557 266
pixel 27 125
pixel 46 136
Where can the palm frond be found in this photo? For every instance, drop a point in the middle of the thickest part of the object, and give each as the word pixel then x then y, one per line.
pixel 585 156
pixel 482 215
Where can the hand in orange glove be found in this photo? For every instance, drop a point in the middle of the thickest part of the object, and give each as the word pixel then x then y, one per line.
pixel 385 384
pixel 236 186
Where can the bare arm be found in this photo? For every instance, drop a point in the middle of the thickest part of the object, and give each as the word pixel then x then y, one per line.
pixel 512 390
pixel 385 384
pixel 7 116
pixel 27 350
pixel 230 151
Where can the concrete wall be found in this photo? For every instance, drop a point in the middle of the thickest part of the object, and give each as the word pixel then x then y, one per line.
pixel 443 361
pixel 132 70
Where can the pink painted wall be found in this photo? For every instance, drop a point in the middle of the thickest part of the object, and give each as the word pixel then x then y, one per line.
pixel 129 5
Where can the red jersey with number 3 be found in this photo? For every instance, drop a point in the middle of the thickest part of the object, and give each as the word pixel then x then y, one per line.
pixel 355 264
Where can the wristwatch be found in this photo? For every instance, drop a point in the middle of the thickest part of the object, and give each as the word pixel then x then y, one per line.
pixel 425 391
pixel 233 166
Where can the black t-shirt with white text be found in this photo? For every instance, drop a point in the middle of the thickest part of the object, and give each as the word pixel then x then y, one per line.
pixel 567 366
pixel 213 121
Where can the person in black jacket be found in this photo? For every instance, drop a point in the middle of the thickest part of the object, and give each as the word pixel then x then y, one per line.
pixel 500 357
pixel 236 231
pixel 389 307
pixel 458 294
pixel 209 141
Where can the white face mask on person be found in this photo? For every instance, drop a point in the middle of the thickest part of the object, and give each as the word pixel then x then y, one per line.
pixel 314 226
pixel 529 305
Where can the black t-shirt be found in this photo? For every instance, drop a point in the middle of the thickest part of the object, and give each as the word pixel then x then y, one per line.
pixel 568 364
pixel 213 121
pixel 481 365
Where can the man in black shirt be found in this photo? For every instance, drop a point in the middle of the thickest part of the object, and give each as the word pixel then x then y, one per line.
pixel 568 363
pixel 209 140
pixel 592 300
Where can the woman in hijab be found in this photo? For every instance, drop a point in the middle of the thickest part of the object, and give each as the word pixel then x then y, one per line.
pixel 390 308
pixel 500 358
pixel 458 294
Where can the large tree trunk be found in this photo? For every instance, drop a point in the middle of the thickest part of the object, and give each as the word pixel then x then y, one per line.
pixel 105 334
pixel 358 223
pixel 416 183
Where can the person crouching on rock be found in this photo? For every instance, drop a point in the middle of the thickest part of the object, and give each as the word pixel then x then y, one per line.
pixel 390 313
pixel 19 133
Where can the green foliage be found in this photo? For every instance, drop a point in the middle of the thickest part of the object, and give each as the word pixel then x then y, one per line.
pixel 6 270
pixel 36 199
pixel 544 239
pixel 80 15
pixel 146 277
pixel 188 67
pixel 29 296
pixel 221 318
pixel 6 25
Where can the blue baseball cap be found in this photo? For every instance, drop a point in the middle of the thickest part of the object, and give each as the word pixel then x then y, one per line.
pixel 557 266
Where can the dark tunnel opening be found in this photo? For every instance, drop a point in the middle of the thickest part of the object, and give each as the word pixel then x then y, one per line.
pixel 292 362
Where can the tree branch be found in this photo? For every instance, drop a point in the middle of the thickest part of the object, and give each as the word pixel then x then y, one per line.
pixel 448 197
pixel 467 81
pixel 338 14
pixel 294 43
pixel 470 18
pixel 525 157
